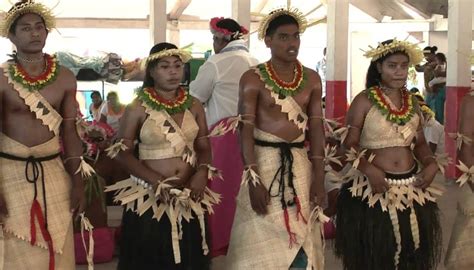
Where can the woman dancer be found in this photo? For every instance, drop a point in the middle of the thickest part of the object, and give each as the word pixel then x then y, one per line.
pixel 166 195
pixel 387 217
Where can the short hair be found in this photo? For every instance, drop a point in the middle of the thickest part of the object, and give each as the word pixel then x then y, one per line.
pixel 231 25
pixel 283 19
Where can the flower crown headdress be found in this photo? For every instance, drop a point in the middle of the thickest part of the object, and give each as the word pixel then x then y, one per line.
pixel 293 12
pixel 24 8
pixel 182 54
pixel 411 49
pixel 224 33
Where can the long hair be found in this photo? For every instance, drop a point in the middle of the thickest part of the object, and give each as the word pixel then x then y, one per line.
pixel 148 81
pixel 374 77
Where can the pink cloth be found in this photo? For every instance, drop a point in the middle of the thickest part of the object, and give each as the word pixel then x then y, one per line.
pixel 227 158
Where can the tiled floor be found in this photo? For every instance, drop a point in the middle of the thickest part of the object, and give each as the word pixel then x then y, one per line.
pixel 447 205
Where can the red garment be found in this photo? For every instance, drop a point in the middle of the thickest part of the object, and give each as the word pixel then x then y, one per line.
pixel 227 158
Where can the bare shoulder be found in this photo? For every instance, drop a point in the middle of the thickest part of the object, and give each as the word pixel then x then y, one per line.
pixel 196 106
pixel 250 81
pixel 67 79
pixel 313 80
pixel 361 103
pixel 312 74
pixel 250 76
pixel 135 106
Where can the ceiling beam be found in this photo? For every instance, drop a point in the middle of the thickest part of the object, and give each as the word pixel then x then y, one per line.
pixel 178 9
pixel 260 6
pixel 102 23
pixel 370 7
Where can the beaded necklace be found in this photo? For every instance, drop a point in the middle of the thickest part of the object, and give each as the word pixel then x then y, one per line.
pixel 382 103
pixel 49 75
pixel 182 102
pixel 270 77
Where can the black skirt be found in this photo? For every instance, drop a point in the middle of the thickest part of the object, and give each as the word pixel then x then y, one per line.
pixel 146 244
pixel 365 239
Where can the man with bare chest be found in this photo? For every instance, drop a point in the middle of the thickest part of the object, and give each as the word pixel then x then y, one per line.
pixel 38 194
pixel 282 186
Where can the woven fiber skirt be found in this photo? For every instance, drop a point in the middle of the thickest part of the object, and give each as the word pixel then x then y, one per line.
pixel 366 238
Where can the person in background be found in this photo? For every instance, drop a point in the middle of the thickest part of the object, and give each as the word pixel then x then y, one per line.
pixel 112 111
pixel 438 87
pixel 433 130
pixel 217 87
pixel 439 70
pixel 96 105
pixel 321 69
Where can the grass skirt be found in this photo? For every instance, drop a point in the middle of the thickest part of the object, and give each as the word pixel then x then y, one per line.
pixel 365 238
pixel 146 244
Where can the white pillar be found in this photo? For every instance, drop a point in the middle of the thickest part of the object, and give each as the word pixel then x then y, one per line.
pixel 158 21
pixel 459 69
pixel 241 13
pixel 459 42
pixel 336 56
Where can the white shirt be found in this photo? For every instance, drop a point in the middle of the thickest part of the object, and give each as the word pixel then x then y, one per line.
pixel 113 119
pixel 217 82
pixel 321 69
pixel 434 133
pixel 96 112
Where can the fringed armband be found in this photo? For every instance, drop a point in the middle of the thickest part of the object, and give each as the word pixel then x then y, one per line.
pixel 460 139
pixel 355 156
pixel 231 125
pixel 250 176
pixel 315 229
pixel 84 168
pixel 467 174
pixel 87 226
pixel 189 156
pixel 212 172
pixel 113 150
pixel 330 155
pixel 442 160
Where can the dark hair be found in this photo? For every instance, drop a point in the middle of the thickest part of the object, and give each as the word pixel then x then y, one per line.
pixel 278 21
pixel 441 57
pixel 432 49
pixel 230 25
pixel 15 22
pixel 148 81
pixel 414 90
pixel 374 77
pixel 95 93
